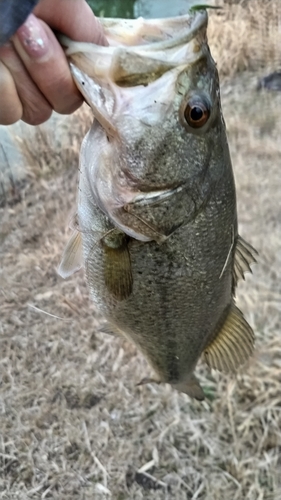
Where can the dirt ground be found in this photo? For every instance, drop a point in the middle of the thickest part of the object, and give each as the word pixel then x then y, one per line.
pixel 73 424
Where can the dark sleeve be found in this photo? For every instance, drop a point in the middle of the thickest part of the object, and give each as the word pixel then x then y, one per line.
pixel 13 13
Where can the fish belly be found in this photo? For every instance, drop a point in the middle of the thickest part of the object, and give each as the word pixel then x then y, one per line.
pixel 178 296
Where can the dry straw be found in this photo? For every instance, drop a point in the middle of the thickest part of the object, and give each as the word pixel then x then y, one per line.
pixel 73 424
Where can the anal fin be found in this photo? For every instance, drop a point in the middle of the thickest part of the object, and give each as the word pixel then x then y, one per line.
pixel 243 258
pixel 233 344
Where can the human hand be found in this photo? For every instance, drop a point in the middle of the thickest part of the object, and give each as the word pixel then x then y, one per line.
pixel 34 73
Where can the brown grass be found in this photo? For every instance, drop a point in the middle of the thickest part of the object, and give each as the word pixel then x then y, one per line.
pixel 48 150
pixel 246 35
pixel 73 423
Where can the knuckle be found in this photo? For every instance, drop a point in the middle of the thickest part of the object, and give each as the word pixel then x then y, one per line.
pixel 68 107
pixel 36 109
pixel 36 117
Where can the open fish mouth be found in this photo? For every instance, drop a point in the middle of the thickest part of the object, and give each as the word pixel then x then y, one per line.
pixel 140 50
pixel 152 31
pixel 160 33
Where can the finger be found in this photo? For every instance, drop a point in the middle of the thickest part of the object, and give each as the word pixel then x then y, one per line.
pixel 74 18
pixel 47 65
pixel 13 14
pixel 11 107
pixel 35 108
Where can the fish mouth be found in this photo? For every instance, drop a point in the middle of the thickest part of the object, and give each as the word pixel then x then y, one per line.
pixel 156 34
pixel 140 50
pixel 148 34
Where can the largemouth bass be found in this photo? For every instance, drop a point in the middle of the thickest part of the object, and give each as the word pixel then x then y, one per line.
pixel 156 214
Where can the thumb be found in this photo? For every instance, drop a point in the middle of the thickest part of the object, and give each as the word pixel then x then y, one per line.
pixel 74 18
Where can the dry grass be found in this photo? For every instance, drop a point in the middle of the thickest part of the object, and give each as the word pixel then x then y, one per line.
pixel 73 423
pixel 246 35
pixel 49 150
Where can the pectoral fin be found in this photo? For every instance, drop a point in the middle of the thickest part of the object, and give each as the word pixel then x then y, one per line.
pixel 117 265
pixel 243 258
pixel 233 344
pixel 72 256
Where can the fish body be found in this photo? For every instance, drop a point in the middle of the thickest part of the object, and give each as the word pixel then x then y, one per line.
pixel 157 207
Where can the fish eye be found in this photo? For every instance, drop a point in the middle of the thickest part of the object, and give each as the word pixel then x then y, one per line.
pixel 197 113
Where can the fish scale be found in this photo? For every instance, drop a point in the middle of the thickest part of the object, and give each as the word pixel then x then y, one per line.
pixel 157 217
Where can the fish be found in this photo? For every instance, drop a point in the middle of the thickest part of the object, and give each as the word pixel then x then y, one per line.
pixel 156 212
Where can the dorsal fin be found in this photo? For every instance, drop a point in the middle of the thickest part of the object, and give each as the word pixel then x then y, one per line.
pixel 244 256
pixel 72 256
pixel 233 344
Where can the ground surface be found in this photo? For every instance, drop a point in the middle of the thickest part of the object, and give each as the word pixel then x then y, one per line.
pixel 73 424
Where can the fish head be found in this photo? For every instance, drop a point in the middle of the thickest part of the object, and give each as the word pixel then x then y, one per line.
pixel 154 92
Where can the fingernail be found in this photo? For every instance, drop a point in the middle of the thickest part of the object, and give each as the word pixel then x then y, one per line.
pixel 33 38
